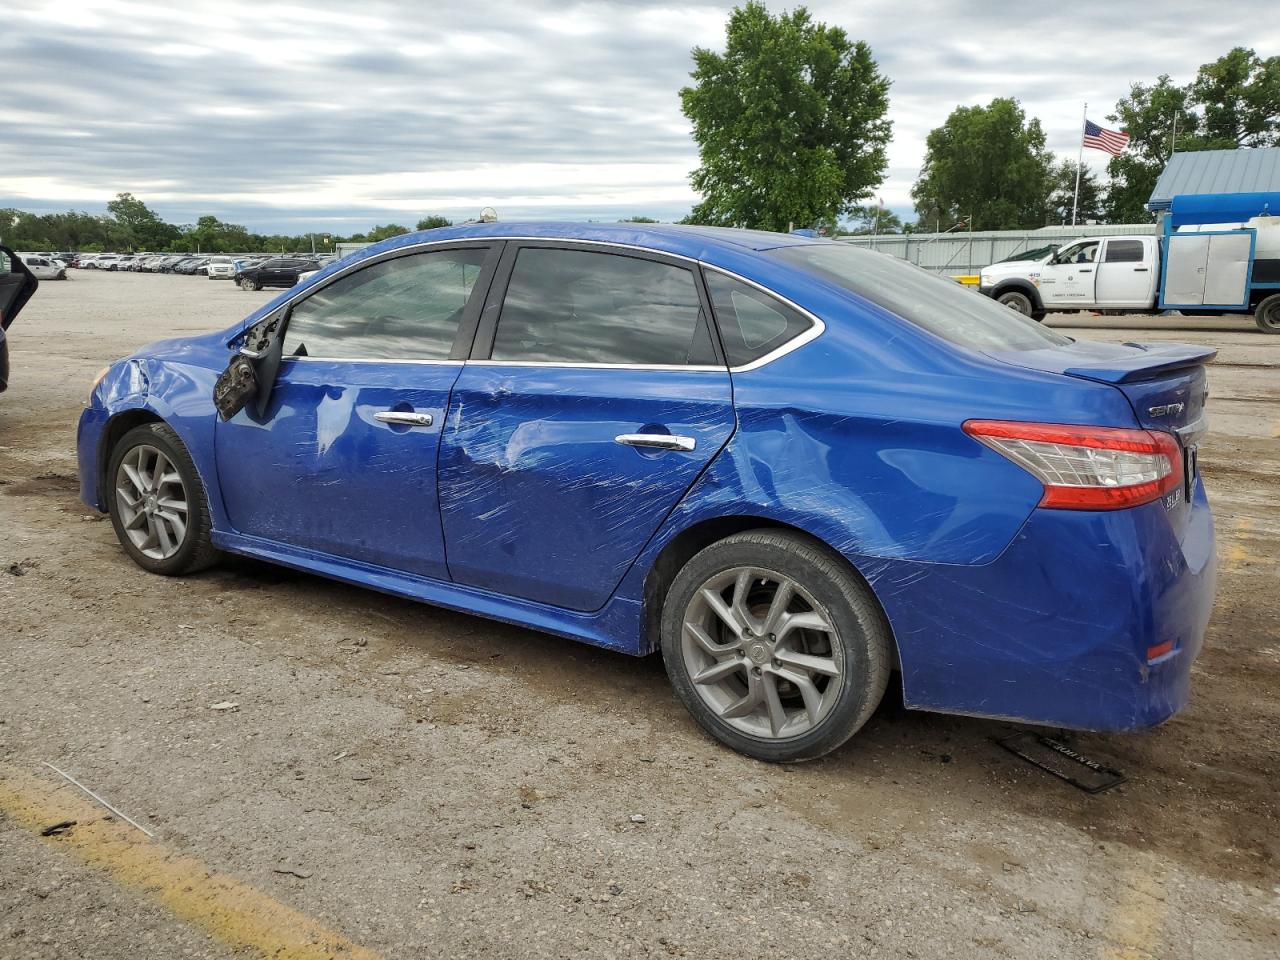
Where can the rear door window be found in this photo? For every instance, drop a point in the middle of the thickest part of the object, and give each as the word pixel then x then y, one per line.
pixel 1124 251
pixel 580 306
pixel 409 308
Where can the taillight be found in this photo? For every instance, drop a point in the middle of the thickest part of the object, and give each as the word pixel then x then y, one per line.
pixel 1087 468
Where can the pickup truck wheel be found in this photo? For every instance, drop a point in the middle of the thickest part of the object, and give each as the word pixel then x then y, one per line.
pixel 1267 316
pixel 1016 300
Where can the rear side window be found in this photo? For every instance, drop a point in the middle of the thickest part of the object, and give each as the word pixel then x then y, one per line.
pixel 938 304
pixel 1124 251
pixel 752 323
pixel 409 308
pixel 578 306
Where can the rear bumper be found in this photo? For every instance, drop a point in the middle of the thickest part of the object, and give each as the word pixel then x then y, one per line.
pixel 1058 629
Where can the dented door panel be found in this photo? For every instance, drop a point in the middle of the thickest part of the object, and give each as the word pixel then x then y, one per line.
pixel 539 499
pixel 320 471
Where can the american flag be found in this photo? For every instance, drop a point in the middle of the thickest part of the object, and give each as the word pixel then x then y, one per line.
pixel 1100 138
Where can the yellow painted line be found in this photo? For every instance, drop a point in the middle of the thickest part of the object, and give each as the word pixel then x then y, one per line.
pixel 1134 926
pixel 1236 553
pixel 225 908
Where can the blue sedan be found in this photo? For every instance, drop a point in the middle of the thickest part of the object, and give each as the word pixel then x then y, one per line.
pixel 795 467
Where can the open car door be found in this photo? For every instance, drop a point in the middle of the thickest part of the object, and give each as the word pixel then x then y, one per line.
pixel 17 284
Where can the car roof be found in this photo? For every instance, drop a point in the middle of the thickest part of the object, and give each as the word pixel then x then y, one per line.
pixel 696 242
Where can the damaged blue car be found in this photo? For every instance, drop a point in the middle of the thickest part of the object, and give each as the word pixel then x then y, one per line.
pixel 796 468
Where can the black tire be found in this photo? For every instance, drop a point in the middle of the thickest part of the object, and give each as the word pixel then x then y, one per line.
pixel 1267 315
pixel 848 603
pixel 196 550
pixel 1018 301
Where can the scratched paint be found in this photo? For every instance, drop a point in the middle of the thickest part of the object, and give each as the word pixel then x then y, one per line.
pixel 533 514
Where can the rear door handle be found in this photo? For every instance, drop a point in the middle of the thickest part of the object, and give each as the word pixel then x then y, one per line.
pixel 1141 269
pixel 1085 270
pixel 404 418
pixel 657 441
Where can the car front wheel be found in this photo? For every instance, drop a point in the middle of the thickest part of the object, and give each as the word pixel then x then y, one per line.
pixel 157 502
pixel 775 646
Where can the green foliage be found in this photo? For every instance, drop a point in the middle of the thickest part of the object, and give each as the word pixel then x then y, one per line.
pixel 433 221
pixel 379 233
pixel 61 231
pixel 1147 115
pixel 145 230
pixel 1240 94
pixel 989 163
pixel 789 121
pixel 1238 101
pixel 639 220
pixel 873 219
pixel 1063 192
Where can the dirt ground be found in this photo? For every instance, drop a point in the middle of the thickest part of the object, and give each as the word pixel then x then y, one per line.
pixel 434 784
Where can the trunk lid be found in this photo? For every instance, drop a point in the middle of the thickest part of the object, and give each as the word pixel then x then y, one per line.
pixel 1164 383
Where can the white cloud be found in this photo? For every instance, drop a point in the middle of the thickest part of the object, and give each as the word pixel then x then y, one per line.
pixel 271 113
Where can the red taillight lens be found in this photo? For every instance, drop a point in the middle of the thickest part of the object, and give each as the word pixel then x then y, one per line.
pixel 1087 468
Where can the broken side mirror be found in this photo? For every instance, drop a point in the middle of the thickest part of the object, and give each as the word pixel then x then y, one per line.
pixel 251 372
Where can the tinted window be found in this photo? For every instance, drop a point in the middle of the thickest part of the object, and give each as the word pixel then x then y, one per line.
pixel 1124 251
pixel 937 304
pixel 403 309
pixel 574 306
pixel 751 322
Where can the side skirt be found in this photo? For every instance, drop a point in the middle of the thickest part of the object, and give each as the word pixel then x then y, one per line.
pixel 616 626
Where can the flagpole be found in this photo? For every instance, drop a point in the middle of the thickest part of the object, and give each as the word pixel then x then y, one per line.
pixel 1075 199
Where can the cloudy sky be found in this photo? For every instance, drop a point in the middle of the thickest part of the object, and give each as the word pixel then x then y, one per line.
pixel 321 115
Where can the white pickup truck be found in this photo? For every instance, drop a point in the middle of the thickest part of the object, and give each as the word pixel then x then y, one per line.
pixel 1094 273
pixel 1228 269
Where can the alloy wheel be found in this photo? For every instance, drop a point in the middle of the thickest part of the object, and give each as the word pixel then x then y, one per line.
pixel 762 653
pixel 152 500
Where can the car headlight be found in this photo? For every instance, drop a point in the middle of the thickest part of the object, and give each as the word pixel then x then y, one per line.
pixel 94 386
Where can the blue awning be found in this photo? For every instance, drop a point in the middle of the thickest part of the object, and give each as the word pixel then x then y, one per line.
pixel 1222 207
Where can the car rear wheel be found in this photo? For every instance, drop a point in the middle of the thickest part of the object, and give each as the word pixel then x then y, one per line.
pixel 775 646
pixel 157 502
pixel 1018 301
pixel 1267 316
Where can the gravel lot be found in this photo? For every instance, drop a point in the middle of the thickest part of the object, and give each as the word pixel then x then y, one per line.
pixel 441 785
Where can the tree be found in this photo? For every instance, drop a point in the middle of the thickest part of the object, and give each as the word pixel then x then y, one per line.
pixel 1062 194
pixel 873 219
pixel 1233 102
pixel 1147 115
pixel 989 163
pixel 382 233
pixel 1240 94
pixel 433 221
pixel 789 121
pixel 638 220
pixel 144 229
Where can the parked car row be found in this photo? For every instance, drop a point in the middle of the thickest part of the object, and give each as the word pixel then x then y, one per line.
pixel 249 272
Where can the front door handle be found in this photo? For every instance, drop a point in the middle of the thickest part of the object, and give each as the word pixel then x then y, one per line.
pixel 403 418
pixel 657 441
pixel 1140 269
pixel 1085 270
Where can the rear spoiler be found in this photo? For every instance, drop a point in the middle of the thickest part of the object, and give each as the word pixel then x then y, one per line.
pixel 1155 360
